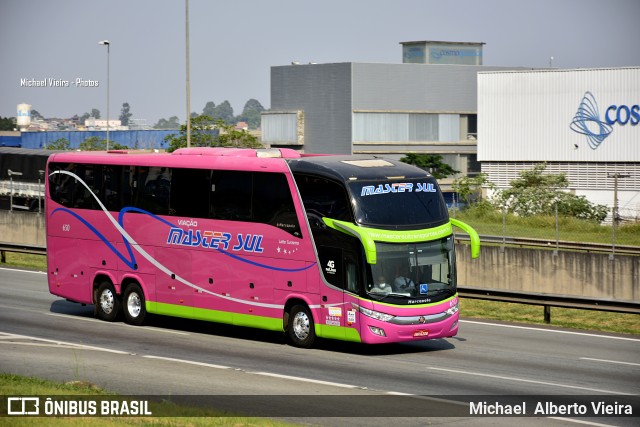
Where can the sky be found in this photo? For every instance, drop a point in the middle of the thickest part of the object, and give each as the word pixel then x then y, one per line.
pixel 234 44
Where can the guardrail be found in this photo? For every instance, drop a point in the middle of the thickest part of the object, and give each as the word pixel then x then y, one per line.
pixel 548 301
pixel 545 300
pixel 12 247
pixel 552 244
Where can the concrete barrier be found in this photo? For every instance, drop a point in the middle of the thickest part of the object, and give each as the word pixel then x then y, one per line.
pixel 589 275
pixel 580 274
pixel 20 227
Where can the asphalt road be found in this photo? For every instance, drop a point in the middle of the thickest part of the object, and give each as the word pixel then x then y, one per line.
pixel 45 336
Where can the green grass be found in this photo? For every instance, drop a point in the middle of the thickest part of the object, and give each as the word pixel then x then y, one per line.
pixel 544 227
pixel 14 385
pixel 28 261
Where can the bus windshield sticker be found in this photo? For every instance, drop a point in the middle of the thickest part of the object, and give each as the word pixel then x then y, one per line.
pixel 398 187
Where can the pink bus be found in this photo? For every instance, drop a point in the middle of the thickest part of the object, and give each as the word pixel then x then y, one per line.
pixel 352 248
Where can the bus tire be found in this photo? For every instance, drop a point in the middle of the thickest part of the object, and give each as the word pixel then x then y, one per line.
pixel 300 328
pixel 133 303
pixel 107 302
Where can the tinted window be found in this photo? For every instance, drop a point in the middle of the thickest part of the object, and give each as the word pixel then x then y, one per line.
pixel 103 183
pixel 151 189
pixel 255 197
pixel 197 193
pixel 410 203
pixel 190 192
pixel 231 193
pixel 324 198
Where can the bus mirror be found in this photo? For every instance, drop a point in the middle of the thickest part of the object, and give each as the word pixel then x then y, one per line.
pixel 473 235
pixel 348 228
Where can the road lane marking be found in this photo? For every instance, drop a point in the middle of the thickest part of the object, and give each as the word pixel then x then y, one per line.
pixel 23 271
pixel 307 380
pixel 530 328
pixel 610 361
pixel 60 343
pixel 523 380
pixel 188 362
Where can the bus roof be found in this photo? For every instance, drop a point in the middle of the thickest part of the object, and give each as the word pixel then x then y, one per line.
pixel 337 167
pixel 198 157
pixel 351 168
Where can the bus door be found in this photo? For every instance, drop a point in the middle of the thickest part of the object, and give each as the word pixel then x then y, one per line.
pixel 341 270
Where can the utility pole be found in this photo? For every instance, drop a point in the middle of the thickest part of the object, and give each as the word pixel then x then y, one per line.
pixel 188 75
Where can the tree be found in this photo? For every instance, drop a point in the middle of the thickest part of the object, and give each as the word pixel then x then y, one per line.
pixel 172 123
pixel 95 113
pixel 202 134
pixel 7 123
pixel 224 112
pixel 469 189
pixel 93 143
pixel 36 115
pixel 209 109
pixel 207 132
pixel 538 193
pixel 431 163
pixel 232 137
pixel 251 114
pixel 59 144
pixel 125 114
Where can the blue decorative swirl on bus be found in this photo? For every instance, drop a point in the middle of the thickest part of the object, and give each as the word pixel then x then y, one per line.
pixel 587 122
pixel 131 262
pixel 269 267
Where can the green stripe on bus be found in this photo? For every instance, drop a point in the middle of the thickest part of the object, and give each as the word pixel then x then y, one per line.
pixel 338 333
pixel 218 316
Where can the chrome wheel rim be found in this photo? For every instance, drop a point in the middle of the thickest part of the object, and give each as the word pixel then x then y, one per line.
pixel 134 304
pixel 107 301
pixel 301 325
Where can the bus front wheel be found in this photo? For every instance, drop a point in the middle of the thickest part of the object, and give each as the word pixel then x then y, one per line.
pixel 134 305
pixel 300 327
pixel 107 303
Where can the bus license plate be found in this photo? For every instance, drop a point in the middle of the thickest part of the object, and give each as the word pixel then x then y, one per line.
pixel 421 333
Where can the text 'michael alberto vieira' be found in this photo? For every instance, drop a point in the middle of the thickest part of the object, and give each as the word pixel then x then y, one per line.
pixel 548 408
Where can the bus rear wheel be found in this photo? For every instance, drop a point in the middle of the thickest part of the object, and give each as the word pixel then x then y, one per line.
pixel 134 305
pixel 107 302
pixel 300 328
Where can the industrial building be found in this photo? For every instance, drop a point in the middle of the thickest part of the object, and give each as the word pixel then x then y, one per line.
pixel 427 104
pixel 581 122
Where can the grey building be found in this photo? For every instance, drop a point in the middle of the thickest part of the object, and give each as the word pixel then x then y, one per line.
pixel 380 109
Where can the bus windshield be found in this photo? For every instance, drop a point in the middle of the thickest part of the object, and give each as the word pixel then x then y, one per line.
pixel 413 270
pixel 410 203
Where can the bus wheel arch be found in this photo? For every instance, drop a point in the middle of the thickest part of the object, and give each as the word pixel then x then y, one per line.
pixel 106 300
pixel 299 325
pixel 133 303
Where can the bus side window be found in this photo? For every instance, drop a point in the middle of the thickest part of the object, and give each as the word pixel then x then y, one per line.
pixel 112 187
pixel 92 176
pixel 324 198
pixel 190 193
pixel 273 204
pixel 61 186
pixel 231 195
pixel 152 189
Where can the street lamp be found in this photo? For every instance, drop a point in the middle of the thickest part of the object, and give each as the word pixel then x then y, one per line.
pixel 106 43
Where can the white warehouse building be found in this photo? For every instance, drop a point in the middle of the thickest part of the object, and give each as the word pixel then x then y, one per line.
pixel 581 122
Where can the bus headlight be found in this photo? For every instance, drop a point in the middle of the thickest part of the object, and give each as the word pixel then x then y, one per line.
pixel 375 314
pixel 452 310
